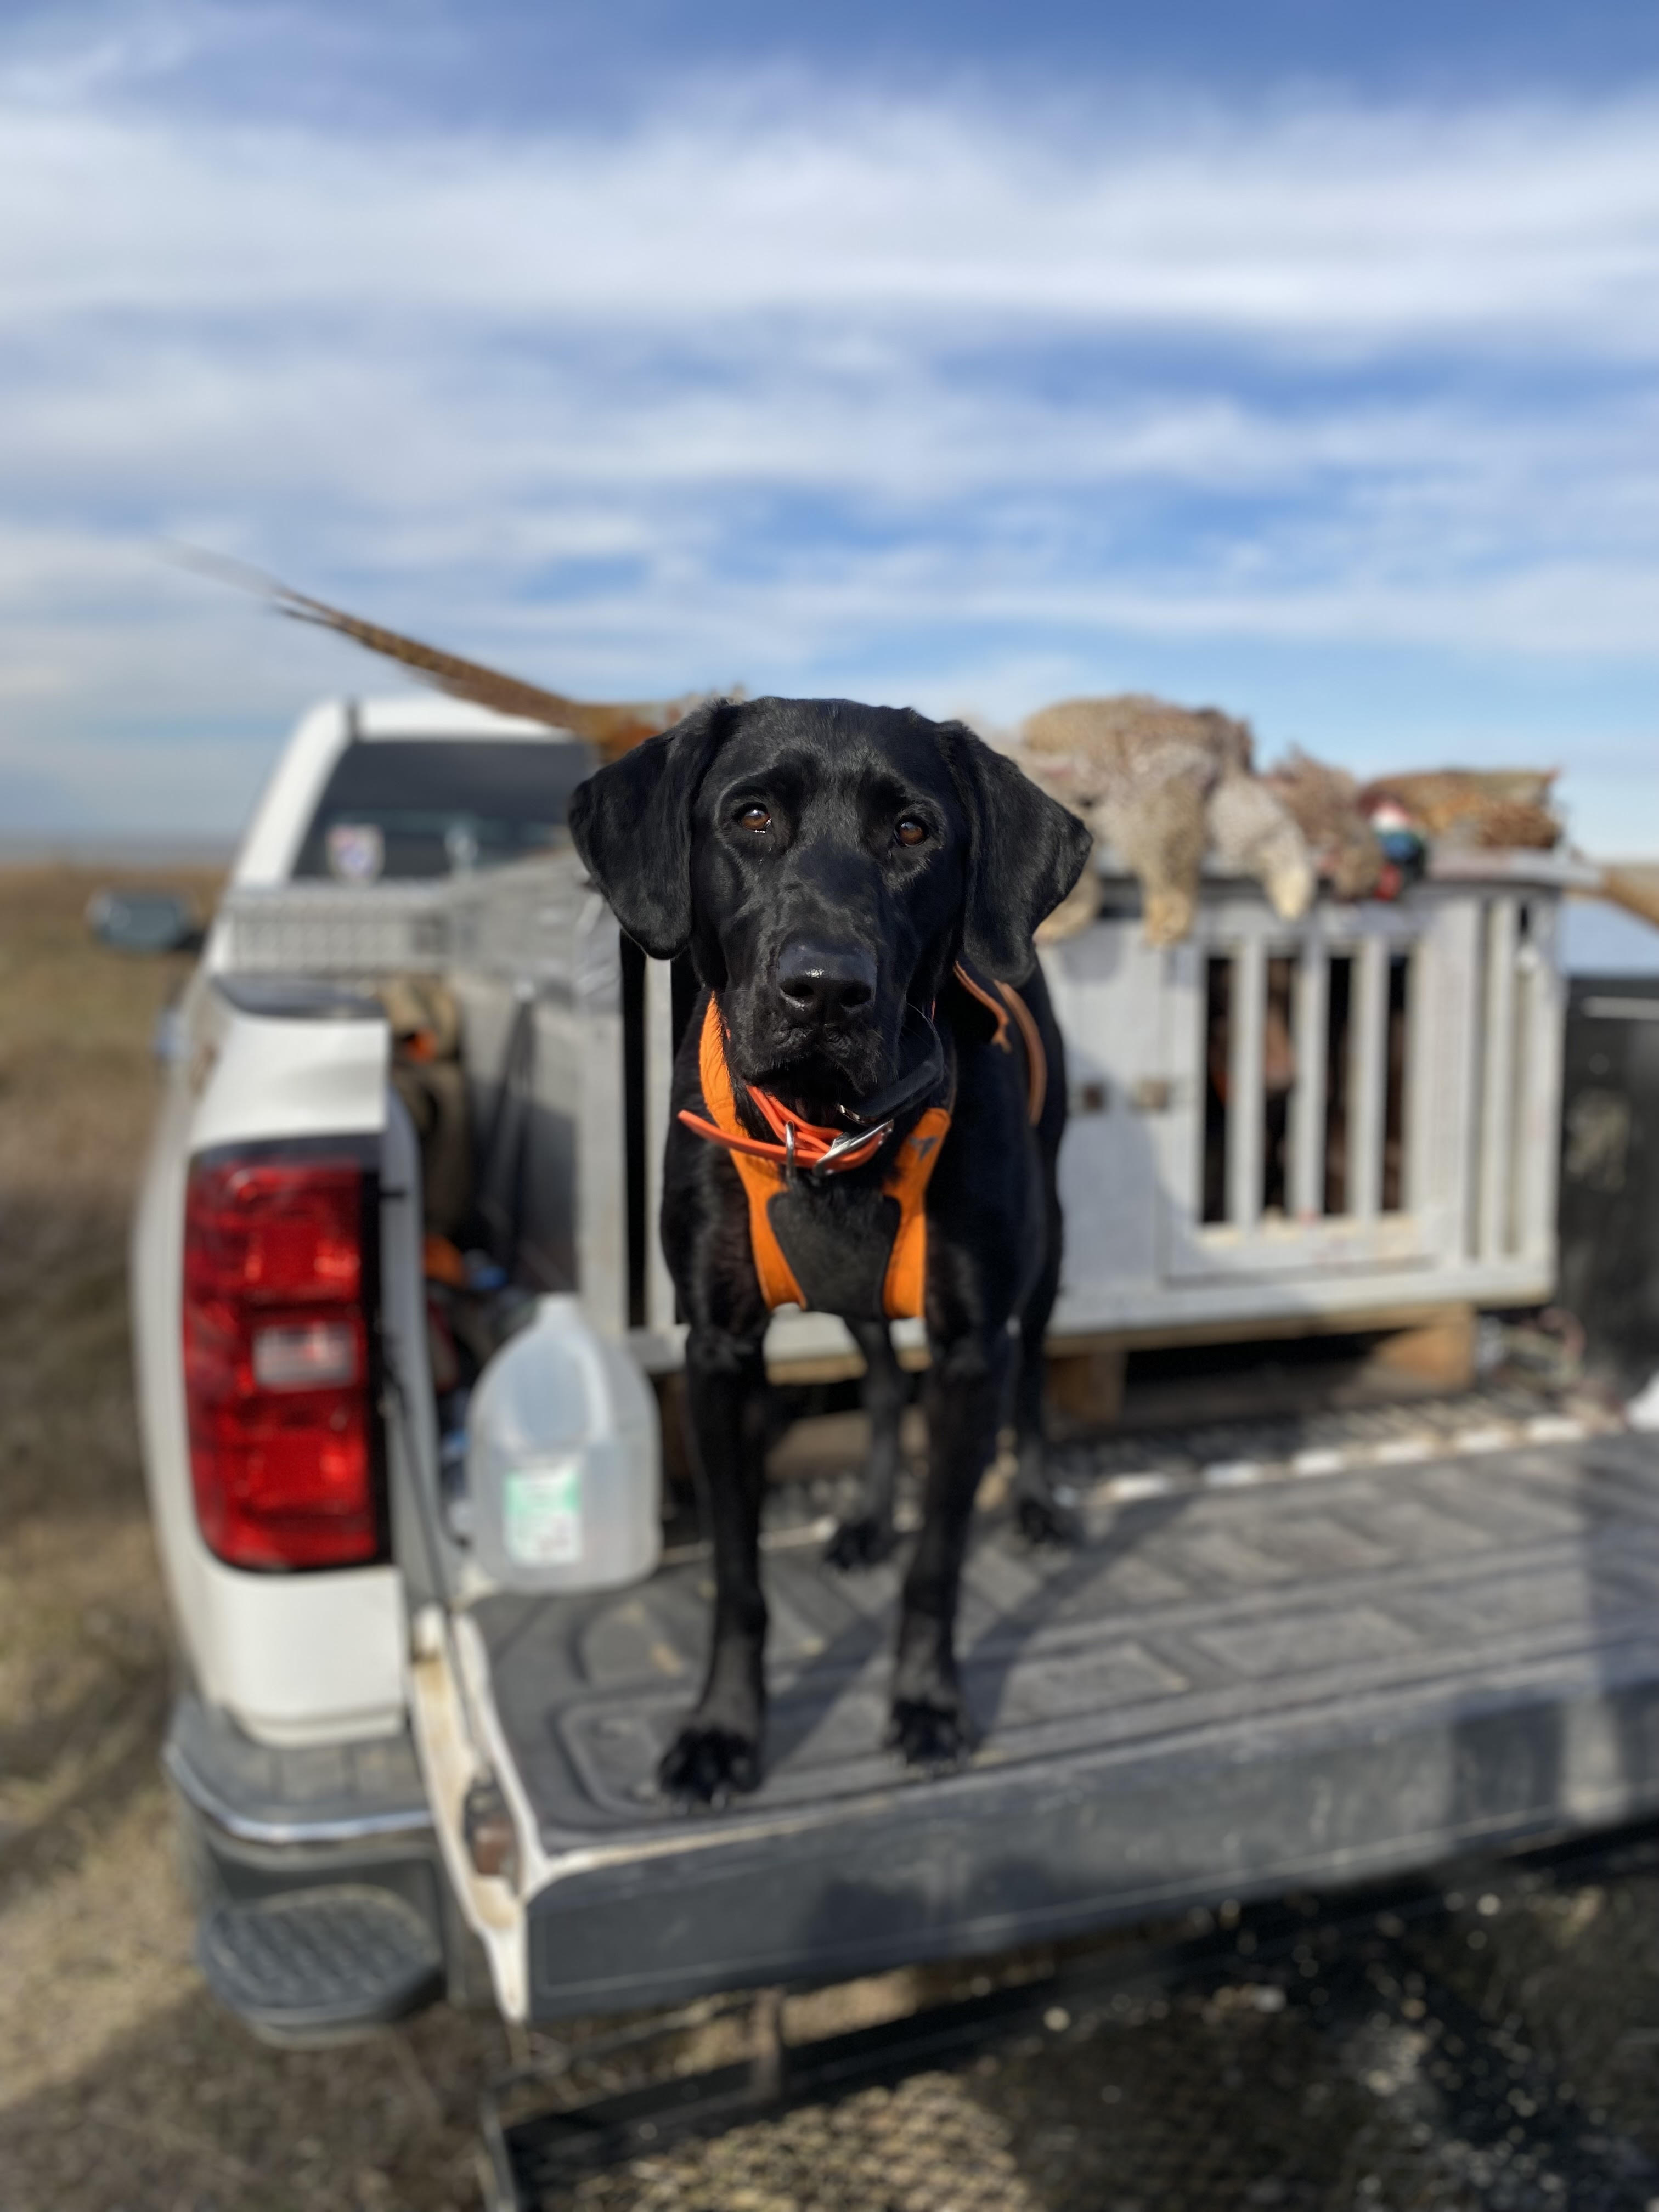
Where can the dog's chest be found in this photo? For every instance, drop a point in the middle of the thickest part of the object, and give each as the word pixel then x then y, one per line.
pixel 839 1244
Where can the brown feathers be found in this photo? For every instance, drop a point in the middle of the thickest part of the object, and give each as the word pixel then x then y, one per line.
pixel 1635 891
pixel 1488 809
pixel 1118 733
pixel 1160 784
pixel 1325 803
pixel 612 729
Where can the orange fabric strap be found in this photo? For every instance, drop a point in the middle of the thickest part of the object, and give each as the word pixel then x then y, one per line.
pixel 761 1169
pixel 1000 1003
pixel 904 1288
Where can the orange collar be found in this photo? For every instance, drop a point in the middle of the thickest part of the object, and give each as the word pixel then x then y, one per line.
pixel 800 1143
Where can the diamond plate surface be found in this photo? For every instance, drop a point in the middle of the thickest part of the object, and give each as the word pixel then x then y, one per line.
pixel 1230 1622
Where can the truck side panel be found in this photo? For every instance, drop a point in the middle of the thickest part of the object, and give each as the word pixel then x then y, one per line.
pixel 297 1658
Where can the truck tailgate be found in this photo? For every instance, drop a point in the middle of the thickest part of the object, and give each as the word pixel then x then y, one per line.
pixel 1228 1690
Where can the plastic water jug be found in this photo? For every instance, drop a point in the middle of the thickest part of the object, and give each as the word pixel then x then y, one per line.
pixel 564 1458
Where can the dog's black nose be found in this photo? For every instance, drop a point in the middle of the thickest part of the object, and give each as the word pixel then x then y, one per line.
pixel 825 984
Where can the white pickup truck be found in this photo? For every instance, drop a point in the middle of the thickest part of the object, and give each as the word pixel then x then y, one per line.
pixel 399 1779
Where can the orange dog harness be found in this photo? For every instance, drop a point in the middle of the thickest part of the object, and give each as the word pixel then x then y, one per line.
pixel 767 1168
pixel 765 1173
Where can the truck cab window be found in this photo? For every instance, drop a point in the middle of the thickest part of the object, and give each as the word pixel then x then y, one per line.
pixel 407 807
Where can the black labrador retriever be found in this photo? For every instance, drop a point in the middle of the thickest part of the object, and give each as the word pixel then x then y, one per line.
pixel 853 884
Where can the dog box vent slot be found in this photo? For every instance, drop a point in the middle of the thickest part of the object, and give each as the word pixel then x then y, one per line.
pixel 1398 1086
pixel 1279 1067
pixel 1218 1050
pixel 1339 1007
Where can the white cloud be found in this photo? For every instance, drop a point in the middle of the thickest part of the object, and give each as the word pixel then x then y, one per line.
pixel 1316 227
pixel 785 395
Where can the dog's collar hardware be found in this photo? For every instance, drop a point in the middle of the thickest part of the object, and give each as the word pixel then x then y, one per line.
pixel 927 1075
pixel 798 1146
pixel 801 1147
pixel 855 1140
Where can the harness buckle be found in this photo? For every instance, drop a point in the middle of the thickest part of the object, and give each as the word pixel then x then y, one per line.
pixel 854 1141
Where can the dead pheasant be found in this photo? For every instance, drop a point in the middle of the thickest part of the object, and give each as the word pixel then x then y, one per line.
pixel 1325 802
pixel 1161 784
pixel 1484 810
pixel 613 729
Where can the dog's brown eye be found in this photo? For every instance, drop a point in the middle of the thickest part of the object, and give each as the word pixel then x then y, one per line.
pixel 908 830
pixel 756 818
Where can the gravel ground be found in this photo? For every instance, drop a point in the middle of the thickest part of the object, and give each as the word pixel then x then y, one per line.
pixel 1495 2047
pixel 1471 2058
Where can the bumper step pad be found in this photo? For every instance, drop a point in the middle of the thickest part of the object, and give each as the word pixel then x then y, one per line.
pixel 309 1965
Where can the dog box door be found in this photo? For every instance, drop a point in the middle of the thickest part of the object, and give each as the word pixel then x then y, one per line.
pixel 1304 1141
pixel 1356 1110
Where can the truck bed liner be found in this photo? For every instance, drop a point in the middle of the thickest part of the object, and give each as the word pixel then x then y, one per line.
pixel 1223 1693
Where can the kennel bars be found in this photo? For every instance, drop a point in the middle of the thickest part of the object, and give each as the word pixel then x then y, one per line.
pixel 1349 1114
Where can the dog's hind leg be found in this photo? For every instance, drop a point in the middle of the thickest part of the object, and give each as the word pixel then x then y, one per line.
pixel 966 1390
pixel 867 1535
pixel 1041 1515
pixel 717 1752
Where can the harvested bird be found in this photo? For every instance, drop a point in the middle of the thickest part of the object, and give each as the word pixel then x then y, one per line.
pixel 613 730
pixel 1324 802
pixel 1160 784
pixel 1479 809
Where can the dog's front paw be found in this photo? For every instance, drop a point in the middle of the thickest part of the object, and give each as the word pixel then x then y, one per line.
pixel 937 1738
pixel 864 1542
pixel 707 1765
pixel 1041 1519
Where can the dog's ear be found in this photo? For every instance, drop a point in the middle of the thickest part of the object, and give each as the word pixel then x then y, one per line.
pixel 632 824
pixel 1026 852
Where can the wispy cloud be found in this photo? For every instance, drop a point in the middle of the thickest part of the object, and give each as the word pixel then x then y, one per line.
pixel 1337 228
pixel 811 390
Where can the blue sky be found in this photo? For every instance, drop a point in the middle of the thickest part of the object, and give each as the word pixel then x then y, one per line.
pixel 1298 358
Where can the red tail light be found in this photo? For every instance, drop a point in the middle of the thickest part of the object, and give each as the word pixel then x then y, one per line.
pixel 277 1282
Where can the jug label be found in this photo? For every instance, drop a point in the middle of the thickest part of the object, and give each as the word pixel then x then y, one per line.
pixel 542 1513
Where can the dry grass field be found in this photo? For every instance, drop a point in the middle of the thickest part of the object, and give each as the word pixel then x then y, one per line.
pixel 122 2086
pixel 1493 2058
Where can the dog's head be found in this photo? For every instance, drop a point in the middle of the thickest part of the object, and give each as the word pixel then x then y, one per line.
pixel 825 863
